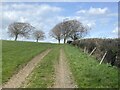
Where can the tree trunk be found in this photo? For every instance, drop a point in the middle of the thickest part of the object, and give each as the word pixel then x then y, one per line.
pixel 59 41
pixel 16 36
pixel 73 39
pixel 64 40
pixel 37 40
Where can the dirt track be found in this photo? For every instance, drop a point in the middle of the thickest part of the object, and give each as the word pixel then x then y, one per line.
pixel 19 78
pixel 63 75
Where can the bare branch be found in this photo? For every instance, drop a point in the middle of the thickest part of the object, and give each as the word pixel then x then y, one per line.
pixel 21 29
pixel 39 35
pixel 56 32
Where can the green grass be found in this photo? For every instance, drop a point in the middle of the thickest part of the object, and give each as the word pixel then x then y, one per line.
pixel 43 75
pixel 17 54
pixel 87 71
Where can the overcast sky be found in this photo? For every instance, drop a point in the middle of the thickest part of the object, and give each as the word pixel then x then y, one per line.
pixel 101 17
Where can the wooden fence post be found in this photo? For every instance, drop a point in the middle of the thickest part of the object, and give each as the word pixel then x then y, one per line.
pixel 103 57
pixel 92 51
pixel 84 49
pixel 116 58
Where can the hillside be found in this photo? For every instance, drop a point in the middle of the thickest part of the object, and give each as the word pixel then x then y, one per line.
pixel 15 55
pixel 81 70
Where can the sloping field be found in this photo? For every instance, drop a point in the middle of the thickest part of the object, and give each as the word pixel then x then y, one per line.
pixel 62 62
pixel 15 55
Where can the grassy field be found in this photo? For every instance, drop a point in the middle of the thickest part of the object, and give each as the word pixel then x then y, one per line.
pixel 87 71
pixel 43 75
pixel 17 54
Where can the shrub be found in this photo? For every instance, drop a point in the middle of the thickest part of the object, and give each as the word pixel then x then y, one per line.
pixel 103 45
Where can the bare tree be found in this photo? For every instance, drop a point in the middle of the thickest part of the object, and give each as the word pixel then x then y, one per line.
pixel 69 29
pixel 73 29
pixel 77 30
pixel 56 32
pixel 21 29
pixel 39 35
pixel 65 30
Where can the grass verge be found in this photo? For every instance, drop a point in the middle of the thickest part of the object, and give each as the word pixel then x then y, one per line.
pixel 43 75
pixel 87 71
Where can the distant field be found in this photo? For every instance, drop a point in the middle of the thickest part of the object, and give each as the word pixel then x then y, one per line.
pixel 17 54
pixel 87 71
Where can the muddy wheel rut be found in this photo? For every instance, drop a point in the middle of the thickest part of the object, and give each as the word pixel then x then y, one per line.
pixel 17 79
pixel 63 77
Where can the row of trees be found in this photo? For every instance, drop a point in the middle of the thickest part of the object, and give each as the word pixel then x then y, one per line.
pixel 24 30
pixel 68 29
